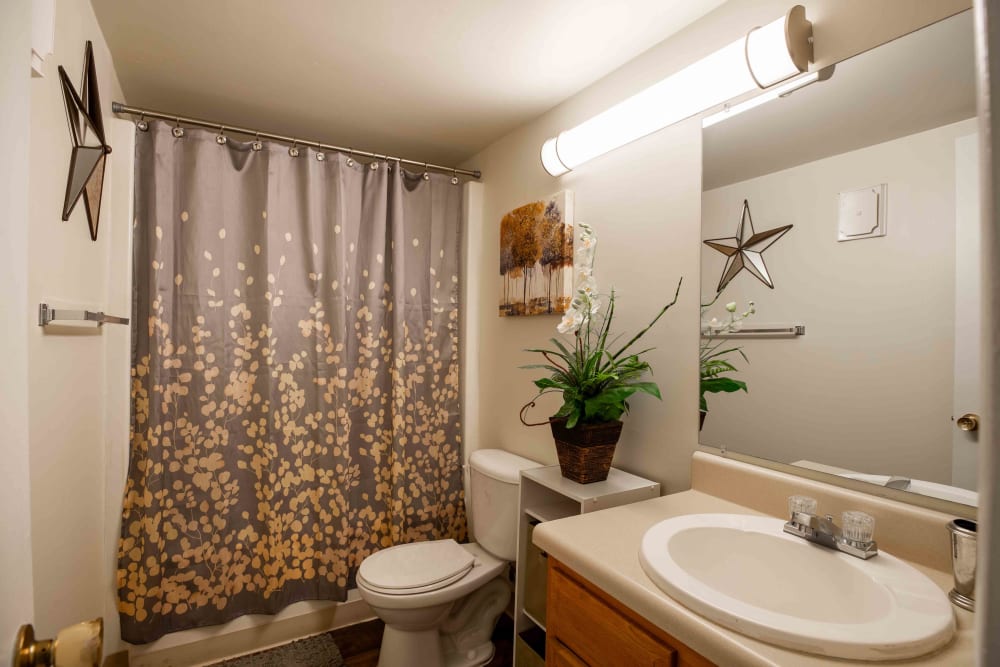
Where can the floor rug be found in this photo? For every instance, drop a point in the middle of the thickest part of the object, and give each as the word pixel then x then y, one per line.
pixel 318 651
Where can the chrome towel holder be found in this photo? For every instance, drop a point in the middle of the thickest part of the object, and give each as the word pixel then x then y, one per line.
pixel 47 315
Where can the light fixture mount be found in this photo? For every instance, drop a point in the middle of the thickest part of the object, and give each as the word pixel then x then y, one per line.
pixel 799 37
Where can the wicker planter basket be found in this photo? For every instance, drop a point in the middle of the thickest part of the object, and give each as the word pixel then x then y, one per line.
pixel 586 450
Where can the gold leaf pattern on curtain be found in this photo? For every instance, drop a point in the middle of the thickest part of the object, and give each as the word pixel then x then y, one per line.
pixel 295 377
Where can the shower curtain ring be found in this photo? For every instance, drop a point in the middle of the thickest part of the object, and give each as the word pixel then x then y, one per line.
pixel 350 158
pixel 320 155
pixel 293 151
pixel 427 176
pixel 178 131
pixel 454 177
pixel 256 144
pixel 142 125
pixel 220 138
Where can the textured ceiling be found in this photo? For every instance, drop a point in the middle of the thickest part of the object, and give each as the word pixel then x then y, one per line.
pixel 435 80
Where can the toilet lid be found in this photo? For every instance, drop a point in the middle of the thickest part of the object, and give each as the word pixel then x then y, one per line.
pixel 416 565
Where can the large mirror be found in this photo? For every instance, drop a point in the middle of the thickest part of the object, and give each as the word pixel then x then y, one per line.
pixel 861 360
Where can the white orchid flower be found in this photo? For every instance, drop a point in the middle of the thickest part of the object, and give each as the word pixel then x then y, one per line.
pixel 571 321
pixel 587 286
pixel 731 306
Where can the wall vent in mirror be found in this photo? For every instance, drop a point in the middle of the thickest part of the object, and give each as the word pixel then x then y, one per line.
pixel 862 213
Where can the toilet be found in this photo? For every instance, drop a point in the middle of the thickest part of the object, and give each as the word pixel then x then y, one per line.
pixel 440 600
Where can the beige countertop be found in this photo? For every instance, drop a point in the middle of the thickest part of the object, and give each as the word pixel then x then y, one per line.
pixel 604 548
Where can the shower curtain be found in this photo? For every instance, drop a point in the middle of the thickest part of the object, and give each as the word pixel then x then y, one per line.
pixel 295 376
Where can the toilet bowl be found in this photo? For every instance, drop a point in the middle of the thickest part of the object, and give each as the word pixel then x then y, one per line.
pixel 440 600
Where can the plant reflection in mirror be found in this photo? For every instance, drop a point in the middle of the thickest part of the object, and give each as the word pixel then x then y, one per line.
pixel 715 357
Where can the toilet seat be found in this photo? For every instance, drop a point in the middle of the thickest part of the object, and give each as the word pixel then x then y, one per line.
pixel 417 567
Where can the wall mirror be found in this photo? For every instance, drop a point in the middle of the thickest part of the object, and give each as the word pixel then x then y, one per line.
pixel 866 360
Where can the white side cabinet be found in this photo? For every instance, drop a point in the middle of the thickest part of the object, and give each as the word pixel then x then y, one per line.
pixel 546 495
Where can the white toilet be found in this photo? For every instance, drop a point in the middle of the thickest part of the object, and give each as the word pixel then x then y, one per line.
pixel 440 600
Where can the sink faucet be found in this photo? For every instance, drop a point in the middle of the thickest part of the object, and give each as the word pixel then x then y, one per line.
pixel 854 538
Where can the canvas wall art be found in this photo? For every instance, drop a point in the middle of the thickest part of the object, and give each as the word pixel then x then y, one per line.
pixel 536 257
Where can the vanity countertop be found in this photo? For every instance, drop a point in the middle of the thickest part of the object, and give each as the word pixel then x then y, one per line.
pixel 604 548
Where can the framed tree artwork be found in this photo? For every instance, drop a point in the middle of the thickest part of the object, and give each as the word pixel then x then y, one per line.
pixel 536 257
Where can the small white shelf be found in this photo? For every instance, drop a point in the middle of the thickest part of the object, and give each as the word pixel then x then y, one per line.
pixel 534 620
pixel 545 495
pixel 597 495
pixel 553 511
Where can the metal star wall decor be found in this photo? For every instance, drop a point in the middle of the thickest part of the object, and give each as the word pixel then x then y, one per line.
pixel 89 158
pixel 744 251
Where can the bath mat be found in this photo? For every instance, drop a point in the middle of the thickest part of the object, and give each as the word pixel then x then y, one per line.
pixel 318 651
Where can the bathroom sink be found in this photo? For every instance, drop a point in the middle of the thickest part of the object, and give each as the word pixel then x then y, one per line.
pixel 744 573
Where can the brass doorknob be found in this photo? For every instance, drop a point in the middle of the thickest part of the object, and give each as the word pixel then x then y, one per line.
pixel 79 645
pixel 968 422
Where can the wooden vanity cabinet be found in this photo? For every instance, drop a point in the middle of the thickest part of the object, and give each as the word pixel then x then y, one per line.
pixel 589 628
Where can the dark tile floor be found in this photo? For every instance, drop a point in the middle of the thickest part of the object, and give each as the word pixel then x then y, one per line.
pixel 359 643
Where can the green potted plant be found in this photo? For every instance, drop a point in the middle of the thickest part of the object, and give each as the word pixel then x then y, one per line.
pixel 714 364
pixel 595 374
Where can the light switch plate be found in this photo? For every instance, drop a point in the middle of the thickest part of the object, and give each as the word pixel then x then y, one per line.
pixel 862 213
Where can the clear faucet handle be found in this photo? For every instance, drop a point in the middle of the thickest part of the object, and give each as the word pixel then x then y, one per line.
pixel 858 526
pixel 801 504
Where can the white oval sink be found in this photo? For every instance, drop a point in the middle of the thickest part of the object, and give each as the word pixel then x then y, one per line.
pixel 744 573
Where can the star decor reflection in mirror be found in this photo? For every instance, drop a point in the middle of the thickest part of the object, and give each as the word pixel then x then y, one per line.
pixel 746 250
pixel 90 148
pixel 874 392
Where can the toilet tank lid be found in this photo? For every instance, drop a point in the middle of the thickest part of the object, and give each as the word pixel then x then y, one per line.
pixel 500 464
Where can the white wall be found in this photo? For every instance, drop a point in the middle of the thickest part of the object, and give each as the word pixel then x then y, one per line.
pixel 117 361
pixel 66 368
pixel 15 500
pixel 644 201
pixel 869 387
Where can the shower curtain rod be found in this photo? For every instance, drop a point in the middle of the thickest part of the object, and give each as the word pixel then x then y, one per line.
pixel 119 108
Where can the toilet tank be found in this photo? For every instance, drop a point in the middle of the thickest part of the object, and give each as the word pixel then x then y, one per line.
pixel 495 481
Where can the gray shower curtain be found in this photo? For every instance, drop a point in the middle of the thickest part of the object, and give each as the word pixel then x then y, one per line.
pixel 295 377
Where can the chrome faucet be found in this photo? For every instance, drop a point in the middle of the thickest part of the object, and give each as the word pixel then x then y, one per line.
pixel 854 538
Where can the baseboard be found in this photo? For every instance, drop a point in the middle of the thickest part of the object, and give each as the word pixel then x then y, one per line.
pixel 249 634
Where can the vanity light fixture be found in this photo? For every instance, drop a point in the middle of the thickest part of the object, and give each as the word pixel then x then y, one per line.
pixel 766 56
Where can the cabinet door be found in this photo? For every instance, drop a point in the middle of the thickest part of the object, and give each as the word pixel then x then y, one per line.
pixel 595 630
pixel 561 656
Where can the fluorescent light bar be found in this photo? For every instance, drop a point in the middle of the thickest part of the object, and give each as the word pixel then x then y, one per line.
pixel 754 102
pixel 767 54
pixel 723 75
pixel 550 159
